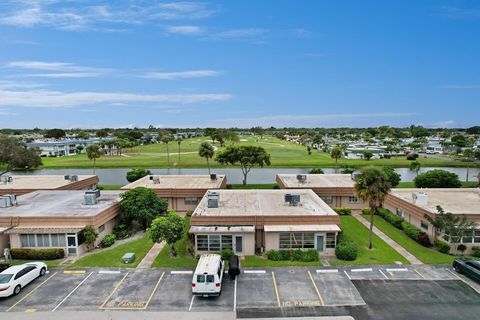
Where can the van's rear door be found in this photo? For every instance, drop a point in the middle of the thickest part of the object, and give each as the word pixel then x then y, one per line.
pixel 210 284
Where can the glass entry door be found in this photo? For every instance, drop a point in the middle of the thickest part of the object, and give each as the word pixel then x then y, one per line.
pixel 72 244
pixel 320 243
pixel 238 244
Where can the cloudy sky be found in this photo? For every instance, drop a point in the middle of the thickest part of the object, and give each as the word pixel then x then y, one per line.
pixel 311 63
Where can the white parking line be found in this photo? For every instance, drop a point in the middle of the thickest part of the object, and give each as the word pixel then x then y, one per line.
pixel 327 271
pixel 181 272
pixel 71 292
pixel 109 272
pixel 348 276
pixel 361 270
pixel 397 269
pixel 254 271
pixel 235 296
pixel 191 303
pixel 383 274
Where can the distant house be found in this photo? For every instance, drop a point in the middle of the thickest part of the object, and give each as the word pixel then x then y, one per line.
pixel 357 152
pixel 63 147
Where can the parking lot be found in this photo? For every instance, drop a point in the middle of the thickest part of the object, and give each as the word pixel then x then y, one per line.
pixel 254 289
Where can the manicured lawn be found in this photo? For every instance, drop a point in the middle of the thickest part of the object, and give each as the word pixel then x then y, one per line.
pixel 110 186
pixel 424 254
pixel 381 253
pixel 255 186
pixel 465 184
pixel 283 155
pixel 183 259
pixel 256 261
pixel 112 257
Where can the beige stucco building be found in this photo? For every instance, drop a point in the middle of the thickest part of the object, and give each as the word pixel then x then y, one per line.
pixel 253 221
pixel 55 219
pixel 182 191
pixel 20 185
pixel 413 204
pixel 337 190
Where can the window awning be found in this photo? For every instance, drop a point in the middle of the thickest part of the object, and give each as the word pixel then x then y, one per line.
pixel 222 229
pixel 303 228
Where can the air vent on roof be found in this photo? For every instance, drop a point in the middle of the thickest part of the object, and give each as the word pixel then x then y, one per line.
pixel 213 198
pixel 90 199
pixel 8 200
pixel 96 192
pixel 420 198
pixel 213 176
pixel 6 179
pixel 66 177
pixel 73 178
pixel 155 179
pixel 292 199
pixel 302 178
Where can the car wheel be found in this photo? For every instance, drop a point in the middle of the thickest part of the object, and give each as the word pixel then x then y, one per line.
pixel 42 272
pixel 17 290
pixel 457 269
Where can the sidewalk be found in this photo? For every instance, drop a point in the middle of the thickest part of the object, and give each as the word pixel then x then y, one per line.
pixel 151 255
pixel 407 255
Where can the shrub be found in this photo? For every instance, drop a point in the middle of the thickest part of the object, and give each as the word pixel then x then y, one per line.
pixel 410 230
pixel 226 253
pixel 296 255
pixel 273 255
pixel 412 156
pixel 442 246
pixel 423 239
pixel 476 252
pixel 343 211
pixel 366 211
pixel 122 230
pixel 316 171
pixel 437 179
pixel 390 217
pixel 108 240
pixel 461 247
pixel 310 255
pixel 293 255
pixel 346 251
pixel 136 174
pixel 284 255
pixel 37 254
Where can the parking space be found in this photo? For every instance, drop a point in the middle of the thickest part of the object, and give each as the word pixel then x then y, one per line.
pixel 174 292
pixel 296 288
pixel 368 273
pixel 256 289
pixel 429 272
pixel 336 289
pixel 224 302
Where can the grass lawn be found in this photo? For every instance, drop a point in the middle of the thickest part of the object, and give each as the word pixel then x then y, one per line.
pixel 381 253
pixel 424 254
pixel 183 259
pixel 256 261
pixel 110 186
pixel 255 186
pixel 465 184
pixel 112 257
pixel 284 154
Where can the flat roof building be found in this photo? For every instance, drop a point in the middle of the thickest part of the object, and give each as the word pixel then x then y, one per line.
pixel 45 219
pixel 337 190
pixel 23 184
pixel 182 191
pixel 249 221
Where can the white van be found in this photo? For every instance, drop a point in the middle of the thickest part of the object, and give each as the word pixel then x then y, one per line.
pixel 208 276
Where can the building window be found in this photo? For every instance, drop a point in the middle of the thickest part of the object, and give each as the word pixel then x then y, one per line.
pixel 28 240
pixel 191 201
pixel 101 228
pixel 296 240
pixel 476 236
pixel 352 199
pixel 213 242
pixel 43 240
pixel 327 199
pixel 330 240
pixel 400 213
pixel 469 237
pixel 424 225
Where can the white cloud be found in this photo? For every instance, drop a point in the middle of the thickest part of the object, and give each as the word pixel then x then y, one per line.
pixel 49 66
pixel 4 84
pixel 185 30
pixel 182 74
pixel 461 86
pixel 58 99
pixel 64 75
pixel 239 33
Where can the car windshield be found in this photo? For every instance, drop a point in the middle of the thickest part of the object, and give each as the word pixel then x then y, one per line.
pixel 5 278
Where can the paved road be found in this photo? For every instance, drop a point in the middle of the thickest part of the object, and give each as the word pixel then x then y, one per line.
pixel 378 292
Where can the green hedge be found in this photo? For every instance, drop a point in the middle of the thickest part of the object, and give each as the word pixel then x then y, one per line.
pixel 476 252
pixel 343 211
pixel 226 253
pixel 442 246
pixel 346 250
pixel 394 219
pixel 37 254
pixel 108 240
pixel 410 230
pixel 293 255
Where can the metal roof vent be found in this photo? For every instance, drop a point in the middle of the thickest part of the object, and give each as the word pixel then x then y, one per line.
pixel 302 178
pixel 6 179
pixel 8 200
pixel 155 179
pixel 89 199
pixel 213 198
pixel 292 199
pixel 73 178
pixel 213 176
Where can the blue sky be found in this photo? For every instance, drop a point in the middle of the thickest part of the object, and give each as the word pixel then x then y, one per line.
pixel 315 63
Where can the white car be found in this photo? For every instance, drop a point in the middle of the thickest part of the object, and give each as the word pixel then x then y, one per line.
pixel 14 279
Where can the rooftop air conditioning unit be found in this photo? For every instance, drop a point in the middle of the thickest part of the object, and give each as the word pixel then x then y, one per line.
pixel 10 179
pixel 95 192
pixel 302 178
pixel 5 202
pixel 67 177
pixel 292 199
pixel 213 176
pixel 288 197
pixel 213 198
pixel 90 199
pixel 155 179
pixel 73 178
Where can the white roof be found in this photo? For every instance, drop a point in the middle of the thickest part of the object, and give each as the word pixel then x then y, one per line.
pixel 45 182
pixel 302 228
pixel 329 180
pixel 178 182
pixel 208 264
pixel 222 229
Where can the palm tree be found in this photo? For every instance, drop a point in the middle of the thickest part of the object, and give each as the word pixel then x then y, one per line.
pixel 166 139
pixel 336 154
pixel 179 142
pixel 415 166
pixel 93 153
pixel 372 185
pixel 206 151
pixel 468 156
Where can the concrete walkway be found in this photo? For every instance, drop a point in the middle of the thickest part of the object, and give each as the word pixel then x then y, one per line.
pixel 407 255
pixel 151 255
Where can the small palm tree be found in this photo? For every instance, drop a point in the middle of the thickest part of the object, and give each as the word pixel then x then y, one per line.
pixel 372 186
pixel 415 166
pixel 206 151
pixel 93 153
pixel 166 139
pixel 336 154
pixel 179 142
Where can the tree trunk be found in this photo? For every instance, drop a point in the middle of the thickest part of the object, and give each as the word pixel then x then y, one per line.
pixel 179 154
pixel 372 217
pixel 468 169
pixel 208 165
pixel 94 164
pixel 168 156
pixel 244 182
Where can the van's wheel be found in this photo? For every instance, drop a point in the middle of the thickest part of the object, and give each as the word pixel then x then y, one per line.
pixel 42 272
pixel 17 290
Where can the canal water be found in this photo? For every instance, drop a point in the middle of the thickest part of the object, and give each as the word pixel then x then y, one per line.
pixel 234 175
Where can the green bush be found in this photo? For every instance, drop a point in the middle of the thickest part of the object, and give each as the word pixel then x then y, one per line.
pixel 390 217
pixel 476 252
pixel 293 255
pixel 346 250
pixel 108 240
pixel 437 179
pixel 122 230
pixel 343 211
pixel 226 253
pixel 410 230
pixel 310 255
pixel 412 156
pixel 366 211
pixel 296 255
pixel 442 246
pixel 37 254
